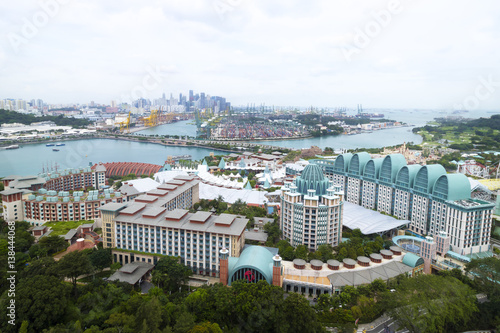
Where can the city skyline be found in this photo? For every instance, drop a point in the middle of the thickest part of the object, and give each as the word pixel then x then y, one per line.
pixel 394 54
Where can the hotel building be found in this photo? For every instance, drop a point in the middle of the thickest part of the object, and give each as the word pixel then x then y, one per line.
pixel 53 206
pixel 158 222
pixel 311 210
pixel 46 197
pixel 76 179
pixel 427 196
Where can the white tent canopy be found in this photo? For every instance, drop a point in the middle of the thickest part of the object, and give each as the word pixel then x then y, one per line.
pixel 369 221
pixel 231 195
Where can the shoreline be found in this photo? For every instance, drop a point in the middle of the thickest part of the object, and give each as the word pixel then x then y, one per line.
pixel 182 142
pixel 131 139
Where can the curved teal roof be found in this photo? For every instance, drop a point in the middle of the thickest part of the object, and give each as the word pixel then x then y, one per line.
pixel 412 260
pixel 312 177
pixel 342 162
pixel 372 168
pixel 406 175
pixel 358 162
pixel 452 187
pixel 427 176
pixel 390 167
pixel 256 257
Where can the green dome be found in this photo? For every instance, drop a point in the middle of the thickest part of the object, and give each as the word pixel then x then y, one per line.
pixel 312 177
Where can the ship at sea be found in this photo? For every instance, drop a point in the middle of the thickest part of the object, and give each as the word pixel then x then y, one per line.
pixel 49 145
pixel 60 144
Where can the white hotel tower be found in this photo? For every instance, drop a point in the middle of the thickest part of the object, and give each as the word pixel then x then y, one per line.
pixel 311 210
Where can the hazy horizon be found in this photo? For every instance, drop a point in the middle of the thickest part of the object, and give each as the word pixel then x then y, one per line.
pixel 383 54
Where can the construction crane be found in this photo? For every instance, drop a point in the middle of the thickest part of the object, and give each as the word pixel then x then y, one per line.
pixel 125 125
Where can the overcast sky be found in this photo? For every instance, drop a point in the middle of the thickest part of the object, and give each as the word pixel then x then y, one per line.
pixel 394 54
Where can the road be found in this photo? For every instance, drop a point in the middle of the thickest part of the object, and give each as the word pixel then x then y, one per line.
pixel 388 326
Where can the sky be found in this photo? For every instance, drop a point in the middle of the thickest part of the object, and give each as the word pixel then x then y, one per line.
pixel 382 54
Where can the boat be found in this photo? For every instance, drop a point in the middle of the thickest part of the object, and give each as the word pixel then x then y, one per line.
pixel 12 147
pixel 49 145
pixel 60 144
pixel 54 149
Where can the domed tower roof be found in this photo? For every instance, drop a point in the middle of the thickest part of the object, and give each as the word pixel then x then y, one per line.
pixel 312 177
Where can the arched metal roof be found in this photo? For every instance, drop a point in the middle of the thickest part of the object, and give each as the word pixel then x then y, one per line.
pixel 412 260
pixel 427 176
pixel 390 167
pixel 452 187
pixel 372 168
pixel 406 175
pixel 358 162
pixel 254 257
pixel 342 162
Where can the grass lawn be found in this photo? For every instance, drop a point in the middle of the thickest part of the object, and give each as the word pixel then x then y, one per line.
pixel 62 227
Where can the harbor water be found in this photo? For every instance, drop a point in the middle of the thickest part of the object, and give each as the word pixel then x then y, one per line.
pixel 32 158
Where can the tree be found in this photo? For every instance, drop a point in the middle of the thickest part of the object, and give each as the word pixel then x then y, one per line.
pixel 176 273
pixel 24 239
pixel 301 252
pixel 122 322
pixel 486 273
pixel 24 327
pixel 150 312
pixel 273 232
pixel 43 266
pixel 326 251
pixel 206 327
pixel 53 244
pixel 37 251
pixel 184 322
pixel 101 258
pixel 427 303
pixel 298 316
pixel 42 301
pixel 74 264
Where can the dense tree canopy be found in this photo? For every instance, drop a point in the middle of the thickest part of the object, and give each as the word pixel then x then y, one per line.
pixel 431 303
pixel 9 117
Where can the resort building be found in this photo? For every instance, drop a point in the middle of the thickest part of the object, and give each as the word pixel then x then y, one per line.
pixel 311 210
pixel 158 222
pixel 46 205
pixel 429 198
pixel 76 179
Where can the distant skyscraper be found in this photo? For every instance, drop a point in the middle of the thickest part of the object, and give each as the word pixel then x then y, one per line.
pixel 202 100
pixel 191 96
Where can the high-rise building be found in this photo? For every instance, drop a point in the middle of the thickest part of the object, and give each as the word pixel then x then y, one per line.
pixel 311 210
pixel 202 101
pixel 432 200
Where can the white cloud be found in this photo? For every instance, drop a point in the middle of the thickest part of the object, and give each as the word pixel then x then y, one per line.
pixel 275 52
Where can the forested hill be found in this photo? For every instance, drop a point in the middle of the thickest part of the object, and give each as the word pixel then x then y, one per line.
pixel 9 117
pixel 493 122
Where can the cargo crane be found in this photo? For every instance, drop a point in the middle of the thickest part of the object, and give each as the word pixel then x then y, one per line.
pixel 152 120
pixel 125 125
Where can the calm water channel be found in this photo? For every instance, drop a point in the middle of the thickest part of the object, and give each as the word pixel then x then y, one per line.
pixel 30 159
